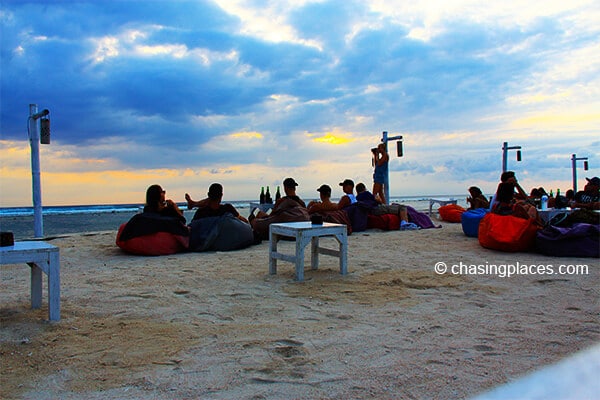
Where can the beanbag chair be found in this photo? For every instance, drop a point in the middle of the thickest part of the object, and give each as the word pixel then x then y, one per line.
pixel 420 218
pixel 384 222
pixel 358 215
pixel 222 233
pixel 153 244
pixel 470 220
pixel 507 232
pixel 287 210
pixel 337 217
pixel 451 212
pixel 579 240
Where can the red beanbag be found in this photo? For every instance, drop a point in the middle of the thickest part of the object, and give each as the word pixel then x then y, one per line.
pixel 451 212
pixel 507 232
pixel 386 222
pixel 155 244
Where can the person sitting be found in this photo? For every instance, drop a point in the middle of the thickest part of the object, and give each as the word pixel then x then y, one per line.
pixel 212 207
pixel 509 177
pixel 506 204
pixel 589 197
pixel 159 230
pixel 477 199
pixel 158 204
pixel 348 198
pixel 363 196
pixel 289 208
pixel 325 204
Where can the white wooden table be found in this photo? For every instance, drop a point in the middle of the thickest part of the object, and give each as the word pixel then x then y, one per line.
pixel 305 233
pixel 41 257
pixel 441 202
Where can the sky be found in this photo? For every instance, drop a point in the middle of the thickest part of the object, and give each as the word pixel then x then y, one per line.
pixel 247 93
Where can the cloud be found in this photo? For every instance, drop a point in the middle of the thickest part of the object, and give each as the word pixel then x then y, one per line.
pixel 229 86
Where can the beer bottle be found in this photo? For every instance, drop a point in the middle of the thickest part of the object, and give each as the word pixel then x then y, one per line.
pixel 277 194
pixel 262 195
pixel 268 198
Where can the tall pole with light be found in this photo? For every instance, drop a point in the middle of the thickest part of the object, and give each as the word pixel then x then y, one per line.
pixel 505 149
pixel 574 160
pixel 33 128
pixel 385 139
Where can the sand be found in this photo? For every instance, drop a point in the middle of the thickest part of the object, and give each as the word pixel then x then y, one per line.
pixel 217 325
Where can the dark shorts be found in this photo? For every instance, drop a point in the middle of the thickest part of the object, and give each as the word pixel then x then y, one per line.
pixel 379 177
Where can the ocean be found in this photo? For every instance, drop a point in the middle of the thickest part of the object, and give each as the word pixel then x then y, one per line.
pixel 63 220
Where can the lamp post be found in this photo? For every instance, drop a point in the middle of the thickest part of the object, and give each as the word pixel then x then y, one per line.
pixel 34 141
pixel 574 160
pixel 385 139
pixel 505 149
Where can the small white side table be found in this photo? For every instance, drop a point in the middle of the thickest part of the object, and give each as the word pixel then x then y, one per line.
pixel 41 257
pixel 304 233
pixel 441 202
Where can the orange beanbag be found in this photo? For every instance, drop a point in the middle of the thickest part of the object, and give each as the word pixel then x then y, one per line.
pixel 451 212
pixel 155 244
pixel 507 232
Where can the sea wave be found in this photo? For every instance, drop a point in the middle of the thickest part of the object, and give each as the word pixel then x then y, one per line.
pixel 239 204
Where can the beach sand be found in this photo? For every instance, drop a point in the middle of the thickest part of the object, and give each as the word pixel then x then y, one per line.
pixel 217 325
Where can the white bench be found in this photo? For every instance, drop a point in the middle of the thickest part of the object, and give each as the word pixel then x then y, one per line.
pixel 41 257
pixel 441 202
pixel 304 233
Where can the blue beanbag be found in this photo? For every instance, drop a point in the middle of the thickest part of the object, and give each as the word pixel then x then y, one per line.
pixel 470 220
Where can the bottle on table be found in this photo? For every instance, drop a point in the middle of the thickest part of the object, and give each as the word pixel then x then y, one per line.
pixel 277 194
pixel 262 195
pixel 544 202
pixel 268 198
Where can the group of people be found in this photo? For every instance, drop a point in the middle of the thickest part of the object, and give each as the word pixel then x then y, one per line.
pixel 288 208
pixel 511 198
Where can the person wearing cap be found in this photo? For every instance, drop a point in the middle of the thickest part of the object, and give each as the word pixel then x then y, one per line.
pixel 212 207
pixel 325 204
pixel 589 197
pixel 348 198
pixel 381 159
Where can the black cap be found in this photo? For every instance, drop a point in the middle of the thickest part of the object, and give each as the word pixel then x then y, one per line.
pixel 289 183
pixel 594 181
pixel 347 182
pixel 324 189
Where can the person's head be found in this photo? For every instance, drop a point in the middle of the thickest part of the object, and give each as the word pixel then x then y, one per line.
pixel 155 197
pixel 289 186
pixel 542 191
pixel 506 192
pixel 593 185
pixel 508 176
pixel 570 194
pixel 381 147
pixel 474 191
pixel 535 193
pixel 324 191
pixel 360 187
pixel 347 186
pixel 215 192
